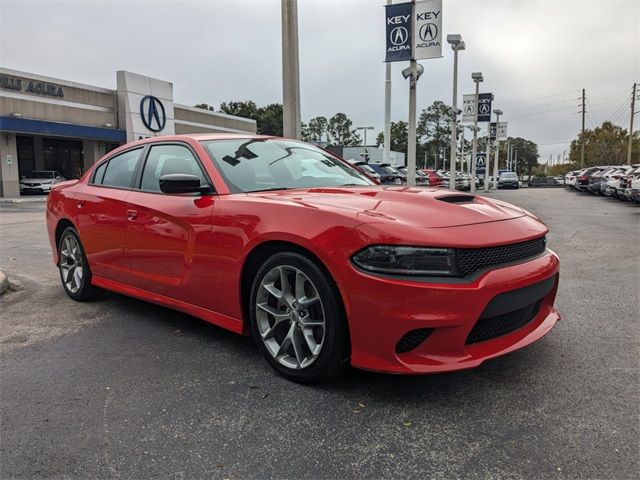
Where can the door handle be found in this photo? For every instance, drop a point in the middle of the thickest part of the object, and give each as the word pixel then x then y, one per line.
pixel 132 214
pixel 80 204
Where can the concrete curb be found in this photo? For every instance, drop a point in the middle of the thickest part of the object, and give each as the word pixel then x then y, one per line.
pixel 42 199
pixel 4 283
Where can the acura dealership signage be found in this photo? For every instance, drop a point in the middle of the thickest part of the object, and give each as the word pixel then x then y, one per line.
pixel 31 86
pixel 468 107
pixel 501 133
pixel 398 28
pixel 413 32
pixel 481 163
pixel 427 38
pixel 484 107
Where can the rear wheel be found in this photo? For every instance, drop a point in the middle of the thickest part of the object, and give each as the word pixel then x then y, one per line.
pixel 75 273
pixel 297 318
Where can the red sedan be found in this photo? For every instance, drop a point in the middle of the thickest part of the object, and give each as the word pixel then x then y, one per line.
pixel 321 265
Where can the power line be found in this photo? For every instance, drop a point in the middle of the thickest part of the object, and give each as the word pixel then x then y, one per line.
pixel 574 92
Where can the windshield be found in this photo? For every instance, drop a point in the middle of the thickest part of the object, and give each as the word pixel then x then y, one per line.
pixel 256 164
pixel 39 174
pixel 509 175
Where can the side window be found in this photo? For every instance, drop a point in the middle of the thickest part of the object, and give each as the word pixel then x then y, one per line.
pixel 120 169
pixel 99 174
pixel 168 159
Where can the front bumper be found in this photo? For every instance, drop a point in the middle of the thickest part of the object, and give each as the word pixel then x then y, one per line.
pixel 35 189
pixel 383 310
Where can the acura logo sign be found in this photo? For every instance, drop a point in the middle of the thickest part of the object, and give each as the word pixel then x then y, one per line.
pixel 152 113
pixel 399 36
pixel 428 32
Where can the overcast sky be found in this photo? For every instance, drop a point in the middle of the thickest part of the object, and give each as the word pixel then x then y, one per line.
pixel 536 56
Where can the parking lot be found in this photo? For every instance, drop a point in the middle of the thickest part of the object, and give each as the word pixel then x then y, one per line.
pixel 122 388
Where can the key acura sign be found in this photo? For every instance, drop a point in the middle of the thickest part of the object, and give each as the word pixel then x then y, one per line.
pixel 427 42
pixel 413 32
pixel 398 28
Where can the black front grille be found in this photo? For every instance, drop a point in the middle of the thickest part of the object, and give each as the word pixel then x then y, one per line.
pixel 471 260
pixel 492 327
pixel 412 339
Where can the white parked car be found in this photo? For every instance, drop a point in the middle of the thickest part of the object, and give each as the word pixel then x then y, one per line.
pixel 571 178
pixel 40 181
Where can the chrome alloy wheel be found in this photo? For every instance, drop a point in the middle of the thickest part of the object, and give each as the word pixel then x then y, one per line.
pixel 290 317
pixel 71 265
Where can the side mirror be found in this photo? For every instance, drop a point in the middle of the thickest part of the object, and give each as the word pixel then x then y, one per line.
pixel 181 183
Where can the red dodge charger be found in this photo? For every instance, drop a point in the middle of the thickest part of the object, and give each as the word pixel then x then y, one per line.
pixel 281 240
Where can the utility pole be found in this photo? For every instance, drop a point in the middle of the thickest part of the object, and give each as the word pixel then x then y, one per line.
pixel 633 106
pixel 582 138
pixel 386 152
pixel 290 70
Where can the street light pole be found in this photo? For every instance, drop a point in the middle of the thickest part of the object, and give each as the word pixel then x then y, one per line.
pixel 412 72
pixel 364 129
pixel 290 70
pixel 477 78
pixel 457 44
pixel 487 159
pixel 386 152
pixel 495 164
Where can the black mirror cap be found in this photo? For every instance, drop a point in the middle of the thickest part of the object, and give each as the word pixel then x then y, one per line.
pixel 181 183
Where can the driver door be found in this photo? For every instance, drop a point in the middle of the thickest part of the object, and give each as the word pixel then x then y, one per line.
pixel 169 235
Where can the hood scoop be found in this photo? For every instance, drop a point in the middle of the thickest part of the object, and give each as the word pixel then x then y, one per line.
pixel 457 198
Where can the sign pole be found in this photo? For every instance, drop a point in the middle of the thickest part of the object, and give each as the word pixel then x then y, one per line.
pixel 474 148
pixel 411 147
pixel 495 163
pixel 290 70
pixel 454 115
pixel 386 153
pixel 487 162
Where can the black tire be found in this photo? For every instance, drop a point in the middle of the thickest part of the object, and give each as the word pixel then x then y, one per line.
pixel 334 354
pixel 86 291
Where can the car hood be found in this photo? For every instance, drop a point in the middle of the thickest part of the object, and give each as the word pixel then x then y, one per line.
pixel 418 207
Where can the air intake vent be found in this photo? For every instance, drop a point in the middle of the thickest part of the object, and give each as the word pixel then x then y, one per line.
pixel 457 198
pixel 412 339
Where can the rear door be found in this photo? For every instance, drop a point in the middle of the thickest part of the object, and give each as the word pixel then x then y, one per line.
pixel 169 236
pixel 101 215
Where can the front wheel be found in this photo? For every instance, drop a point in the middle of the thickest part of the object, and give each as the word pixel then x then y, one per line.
pixel 74 268
pixel 297 318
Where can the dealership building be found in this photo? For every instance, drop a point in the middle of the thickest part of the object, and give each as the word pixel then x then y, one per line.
pixel 54 124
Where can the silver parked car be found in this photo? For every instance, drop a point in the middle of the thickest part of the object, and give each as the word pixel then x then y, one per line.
pixel 40 181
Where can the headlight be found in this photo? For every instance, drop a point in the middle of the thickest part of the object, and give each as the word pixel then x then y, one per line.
pixel 401 260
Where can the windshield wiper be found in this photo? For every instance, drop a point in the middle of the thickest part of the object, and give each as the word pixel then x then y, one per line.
pixel 270 189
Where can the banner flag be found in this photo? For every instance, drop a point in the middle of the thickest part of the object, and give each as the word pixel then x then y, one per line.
pixel 492 131
pixel 481 163
pixel 427 29
pixel 469 108
pixel 484 107
pixel 398 28
pixel 502 131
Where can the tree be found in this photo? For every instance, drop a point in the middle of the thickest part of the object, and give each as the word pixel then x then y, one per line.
pixel 270 120
pixel 527 154
pixel 340 132
pixel 317 128
pixel 434 127
pixel 399 137
pixel 204 106
pixel 247 109
pixel 604 145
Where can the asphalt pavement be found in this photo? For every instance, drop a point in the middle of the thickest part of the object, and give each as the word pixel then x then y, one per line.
pixel 119 388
